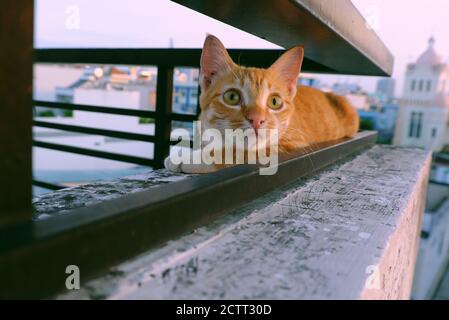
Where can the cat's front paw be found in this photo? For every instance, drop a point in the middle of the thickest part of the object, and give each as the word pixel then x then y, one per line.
pixel 169 165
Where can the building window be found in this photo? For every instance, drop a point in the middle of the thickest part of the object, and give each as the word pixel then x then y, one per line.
pixel 413 85
pixel 418 130
pixel 411 131
pixel 429 85
pixel 411 126
pixel 420 85
pixel 415 125
pixel 434 132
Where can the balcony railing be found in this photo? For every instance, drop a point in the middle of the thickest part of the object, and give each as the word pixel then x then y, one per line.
pixel 100 236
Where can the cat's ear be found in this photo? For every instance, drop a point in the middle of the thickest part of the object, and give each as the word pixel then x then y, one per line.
pixel 214 60
pixel 288 66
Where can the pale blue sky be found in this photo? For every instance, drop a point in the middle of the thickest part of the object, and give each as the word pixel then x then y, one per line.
pixel 404 26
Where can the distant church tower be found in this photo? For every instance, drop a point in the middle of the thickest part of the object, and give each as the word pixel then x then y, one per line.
pixel 424 106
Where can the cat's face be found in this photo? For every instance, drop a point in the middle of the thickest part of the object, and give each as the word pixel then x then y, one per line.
pixel 236 97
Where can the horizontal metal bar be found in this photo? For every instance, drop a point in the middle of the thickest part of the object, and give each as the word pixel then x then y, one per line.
pixel 47 185
pixel 112 110
pixel 185 143
pixel 99 236
pixel 440 158
pixel 183 117
pixel 440 183
pixel 102 132
pixel 99 109
pixel 164 57
pixel 94 153
pixel 334 33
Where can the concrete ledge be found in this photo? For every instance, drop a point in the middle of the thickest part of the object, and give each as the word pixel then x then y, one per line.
pixel 350 232
pixel 61 201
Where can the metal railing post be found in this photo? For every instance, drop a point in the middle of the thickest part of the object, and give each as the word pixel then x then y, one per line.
pixel 16 35
pixel 164 94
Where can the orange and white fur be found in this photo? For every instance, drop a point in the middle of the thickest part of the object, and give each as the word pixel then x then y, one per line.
pixel 237 97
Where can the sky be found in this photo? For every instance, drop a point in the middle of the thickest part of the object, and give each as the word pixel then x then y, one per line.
pixel 404 25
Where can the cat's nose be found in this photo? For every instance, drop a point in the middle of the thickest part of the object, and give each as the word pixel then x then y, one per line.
pixel 256 121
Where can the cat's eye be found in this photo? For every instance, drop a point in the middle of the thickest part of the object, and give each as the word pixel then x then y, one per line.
pixel 231 97
pixel 275 102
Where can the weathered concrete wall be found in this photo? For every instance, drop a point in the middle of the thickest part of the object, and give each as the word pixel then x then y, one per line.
pixel 349 232
pixel 60 202
pixel 393 276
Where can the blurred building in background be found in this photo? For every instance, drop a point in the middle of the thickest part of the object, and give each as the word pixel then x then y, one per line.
pixel 382 118
pixel 423 116
pixel 385 89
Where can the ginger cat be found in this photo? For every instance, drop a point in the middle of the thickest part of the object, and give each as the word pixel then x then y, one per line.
pixel 237 97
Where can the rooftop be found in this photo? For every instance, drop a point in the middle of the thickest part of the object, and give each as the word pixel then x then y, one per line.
pixel 430 56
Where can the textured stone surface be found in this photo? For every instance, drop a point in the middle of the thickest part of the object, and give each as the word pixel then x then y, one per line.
pixel 61 201
pixel 348 232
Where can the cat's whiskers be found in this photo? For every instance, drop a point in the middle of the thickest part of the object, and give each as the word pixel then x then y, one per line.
pixel 308 148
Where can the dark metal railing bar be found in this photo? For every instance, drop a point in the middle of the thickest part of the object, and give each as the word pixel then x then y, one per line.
pixel 47 185
pixel 95 153
pixel 102 132
pixel 99 109
pixel 164 96
pixel 162 57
